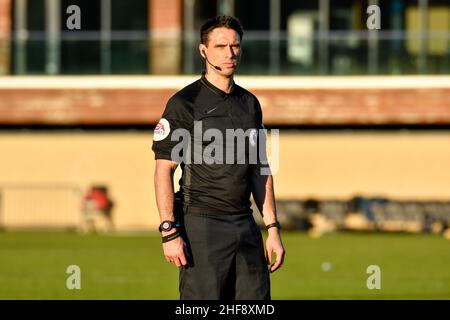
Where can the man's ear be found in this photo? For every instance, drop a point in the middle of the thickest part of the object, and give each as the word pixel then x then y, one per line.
pixel 202 49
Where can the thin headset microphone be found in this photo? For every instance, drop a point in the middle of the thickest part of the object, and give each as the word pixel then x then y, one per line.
pixel 215 67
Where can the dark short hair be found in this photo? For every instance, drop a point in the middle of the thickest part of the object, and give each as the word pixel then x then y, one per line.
pixel 221 21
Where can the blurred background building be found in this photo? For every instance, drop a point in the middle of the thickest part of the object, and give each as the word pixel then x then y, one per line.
pixel 362 112
pixel 315 37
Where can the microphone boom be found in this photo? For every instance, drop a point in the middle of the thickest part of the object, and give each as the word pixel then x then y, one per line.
pixel 215 67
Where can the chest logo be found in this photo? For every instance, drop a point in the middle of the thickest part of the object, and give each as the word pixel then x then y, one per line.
pixel 211 110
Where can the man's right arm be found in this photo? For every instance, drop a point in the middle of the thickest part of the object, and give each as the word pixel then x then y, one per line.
pixel 174 250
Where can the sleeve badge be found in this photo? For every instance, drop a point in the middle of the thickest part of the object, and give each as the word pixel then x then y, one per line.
pixel 162 130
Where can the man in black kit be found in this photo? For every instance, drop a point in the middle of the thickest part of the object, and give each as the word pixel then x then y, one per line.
pixel 210 232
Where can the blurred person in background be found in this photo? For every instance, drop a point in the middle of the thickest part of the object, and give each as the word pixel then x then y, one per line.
pixel 97 208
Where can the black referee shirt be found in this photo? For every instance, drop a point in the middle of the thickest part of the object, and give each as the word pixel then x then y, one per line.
pixel 219 187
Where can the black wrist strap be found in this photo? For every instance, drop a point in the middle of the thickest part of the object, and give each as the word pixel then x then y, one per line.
pixel 171 236
pixel 275 224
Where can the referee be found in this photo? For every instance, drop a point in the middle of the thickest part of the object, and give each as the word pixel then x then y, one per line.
pixel 208 229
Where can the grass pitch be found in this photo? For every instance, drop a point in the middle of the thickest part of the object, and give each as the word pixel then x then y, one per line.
pixel 33 266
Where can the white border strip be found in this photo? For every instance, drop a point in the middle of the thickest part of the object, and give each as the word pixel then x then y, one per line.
pixel 250 82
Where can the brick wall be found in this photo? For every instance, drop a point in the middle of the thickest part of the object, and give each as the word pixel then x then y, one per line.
pixel 140 104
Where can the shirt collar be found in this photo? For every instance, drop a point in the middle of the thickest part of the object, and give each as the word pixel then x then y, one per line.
pixel 214 89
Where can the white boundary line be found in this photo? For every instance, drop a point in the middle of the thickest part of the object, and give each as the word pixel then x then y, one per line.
pixel 250 82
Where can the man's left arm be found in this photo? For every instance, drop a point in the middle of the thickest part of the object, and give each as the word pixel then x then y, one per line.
pixel 264 196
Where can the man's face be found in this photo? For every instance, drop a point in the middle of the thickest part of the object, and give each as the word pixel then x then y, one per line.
pixel 223 49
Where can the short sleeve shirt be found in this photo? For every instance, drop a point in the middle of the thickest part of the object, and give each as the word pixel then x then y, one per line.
pixel 215 137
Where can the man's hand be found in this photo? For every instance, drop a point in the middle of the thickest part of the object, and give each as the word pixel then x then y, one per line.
pixel 274 245
pixel 175 251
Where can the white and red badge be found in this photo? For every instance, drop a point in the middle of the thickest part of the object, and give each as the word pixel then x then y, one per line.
pixel 162 130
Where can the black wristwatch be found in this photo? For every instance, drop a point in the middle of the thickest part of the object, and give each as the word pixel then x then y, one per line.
pixel 167 225
pixel 275 224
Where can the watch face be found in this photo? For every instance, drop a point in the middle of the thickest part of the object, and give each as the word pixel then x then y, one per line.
pixel 166 225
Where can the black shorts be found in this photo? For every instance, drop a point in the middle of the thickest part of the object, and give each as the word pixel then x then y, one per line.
pixel 226 258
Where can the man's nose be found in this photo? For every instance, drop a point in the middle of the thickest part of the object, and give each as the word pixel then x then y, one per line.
pixel 230 52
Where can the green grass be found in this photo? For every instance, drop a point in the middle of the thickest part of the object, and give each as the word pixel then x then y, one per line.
pixel 33 266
